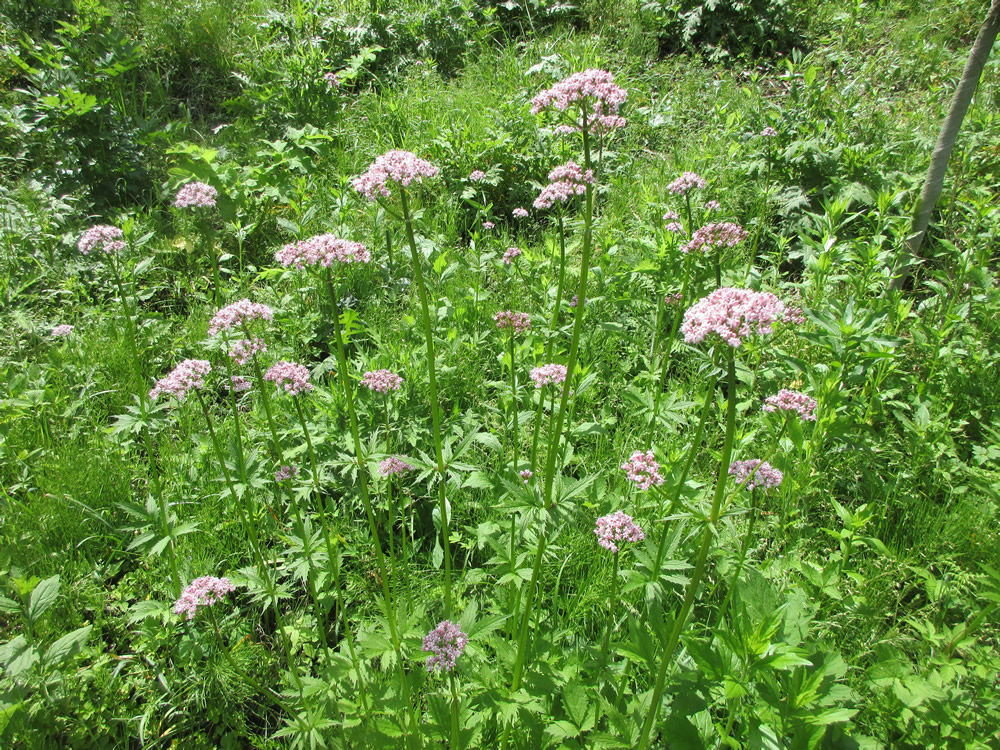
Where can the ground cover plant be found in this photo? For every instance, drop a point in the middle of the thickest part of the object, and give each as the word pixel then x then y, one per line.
pixel 505 375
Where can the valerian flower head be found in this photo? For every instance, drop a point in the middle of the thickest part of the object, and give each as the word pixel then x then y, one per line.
pixel 322 250
pixel 732 314
pixel 238 314
pixel 187 376
pixel 382 381
pixel 617 527
pixel 548 375
pixel 196 195
pixel 102 237
pixel 399 167
pixel 293 377
pixel 792 401
pixel 518 322
pixel 596 95
pixel 393 465
pixel 756 473
pixel 202 592
pixel 446 642
pixel 643 470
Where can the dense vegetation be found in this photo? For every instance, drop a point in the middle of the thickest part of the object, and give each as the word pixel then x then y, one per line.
pixel 397 484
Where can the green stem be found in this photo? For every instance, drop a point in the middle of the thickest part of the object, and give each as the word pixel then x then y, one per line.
pixel 390 610
pixel 456 737
pixel 612 605
pixel 433 395
pixel 553 329
pixel 667 653
pixel 514 402
pixel 739 565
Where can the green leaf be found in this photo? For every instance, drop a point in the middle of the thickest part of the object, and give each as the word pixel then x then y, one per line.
pixel 22 657
pixel 67 646
pixel 8 605
pixel 43 597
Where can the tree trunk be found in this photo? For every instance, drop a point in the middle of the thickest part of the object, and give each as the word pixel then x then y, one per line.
pixel 945 143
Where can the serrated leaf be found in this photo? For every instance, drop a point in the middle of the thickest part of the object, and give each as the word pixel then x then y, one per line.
pixel 68 645
pixel 43 597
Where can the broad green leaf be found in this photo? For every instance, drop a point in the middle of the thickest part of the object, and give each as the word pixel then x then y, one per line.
pixel 68 645
pixel 43 597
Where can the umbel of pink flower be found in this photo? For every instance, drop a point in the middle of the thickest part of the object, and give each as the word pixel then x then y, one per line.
pixel 393 465
pixel 102 237
pixel 400 167
pixel 293 377
pixel 511 255
pixel 244 350
pixel 596 95
pixel 519 213
pixel 756 473
pixel 549 374
pixel 195 195
pixel 643 470
pixel 64 329
pixel 686 182
pixel 187 376
pixel 285 472
pixel 724 234
pixel 238 314
pixel 477 175
pixel 202 592
pixel 792 401
pixel 518 322
pixel 446 643
pixel 382 381
pixel 617 527
pixel 322 250
pixel 565 181
pixel 732 314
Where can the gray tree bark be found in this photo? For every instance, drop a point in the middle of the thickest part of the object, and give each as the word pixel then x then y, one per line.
pixel 945 144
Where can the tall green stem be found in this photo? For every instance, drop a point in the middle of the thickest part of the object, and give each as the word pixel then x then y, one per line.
pixel 456 737
pixel 390 610
pixel 667 653
pixel 553 328
pixel 435 406
pixel 514 406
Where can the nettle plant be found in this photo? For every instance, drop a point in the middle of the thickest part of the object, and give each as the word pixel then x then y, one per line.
pixel 316 475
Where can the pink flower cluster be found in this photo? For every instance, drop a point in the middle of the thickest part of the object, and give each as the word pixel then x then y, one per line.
pixel 794 315
pixel 732 314
pixel 548 375
pixel 518 322
pixel 786 400
pixel 769 132
pixel 526 474
pixel 188 375
pixel 519 213
pixel 687 181
pixel 488 225
pixel 61 330
pixel 239 384
pixel 202 592
pixel 238 314
pixel 617 527
pixel 286 472
pixel 643 470
pixel 245 349
pixel 756 473
pixel 402 167
pixel 565 181
pixel 725 234
pixel 675 227
pixel 477 175
pixel 712 206
pixel 382 381
pixel 393 465
pixel 594 90
pixel 322 250
pixel 101 237
pixel 511 254
pixel 446 642
pixel 196 194
pixel 331 79
pixel 290 375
